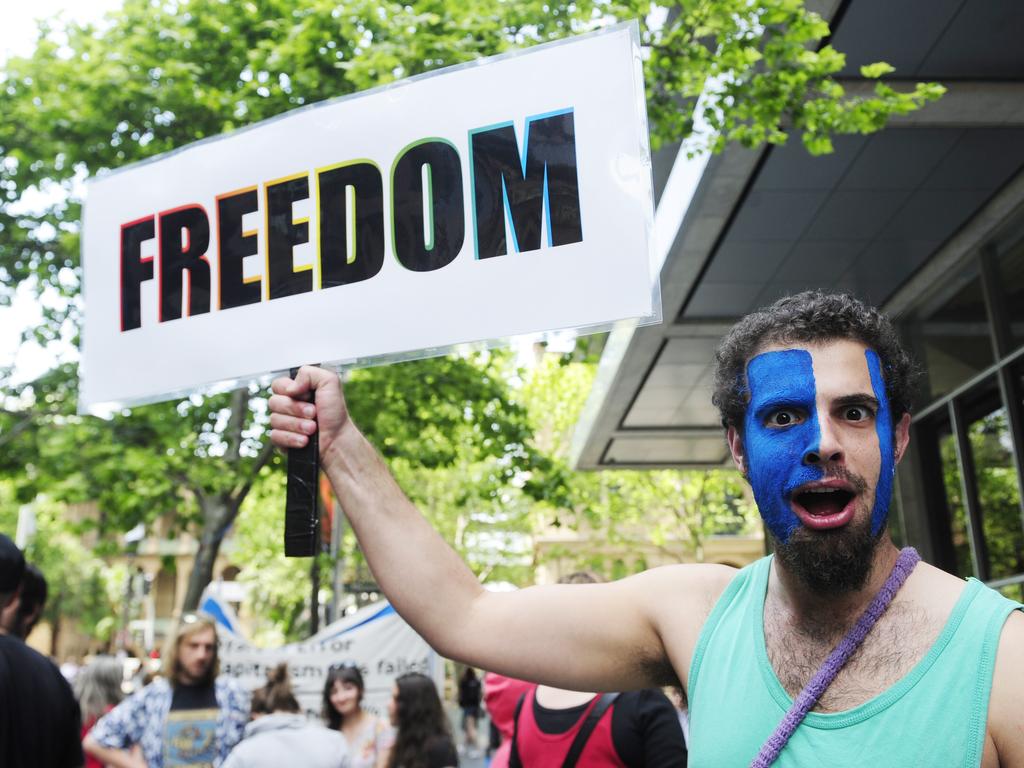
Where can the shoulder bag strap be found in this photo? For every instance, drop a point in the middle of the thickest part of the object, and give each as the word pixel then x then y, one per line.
pixel 513 757
pixel 589 724
pixel 809 696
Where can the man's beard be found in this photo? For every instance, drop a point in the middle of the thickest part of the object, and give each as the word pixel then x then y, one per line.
pixel 831 562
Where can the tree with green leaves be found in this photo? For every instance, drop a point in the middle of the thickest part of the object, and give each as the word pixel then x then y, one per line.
pixel 159 74
pixel 82 589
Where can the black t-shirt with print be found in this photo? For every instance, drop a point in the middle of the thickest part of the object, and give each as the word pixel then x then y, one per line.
pixel 194 697
pixel 190 736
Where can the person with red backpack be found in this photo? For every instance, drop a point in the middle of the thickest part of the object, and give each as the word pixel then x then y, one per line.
pixel 554 728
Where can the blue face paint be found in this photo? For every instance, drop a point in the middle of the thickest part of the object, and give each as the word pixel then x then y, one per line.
pixel 775 457
pixel 883 426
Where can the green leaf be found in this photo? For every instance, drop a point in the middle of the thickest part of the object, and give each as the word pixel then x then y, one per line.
pixel 876 70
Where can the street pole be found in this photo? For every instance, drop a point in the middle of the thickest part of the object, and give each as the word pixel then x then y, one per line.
pixel 338 558
pixel 314 579
pixel 126 613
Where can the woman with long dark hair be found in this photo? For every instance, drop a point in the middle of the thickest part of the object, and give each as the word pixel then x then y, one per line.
pixel 422 737
pixel 369 737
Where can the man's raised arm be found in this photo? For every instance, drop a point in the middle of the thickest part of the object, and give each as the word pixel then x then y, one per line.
pixel 583 637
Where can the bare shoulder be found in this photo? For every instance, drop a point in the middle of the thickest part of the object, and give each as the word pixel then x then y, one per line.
pixel 690 586
pixel 933 591
pixel 939 580
pixel 1006 703
pixel 679 598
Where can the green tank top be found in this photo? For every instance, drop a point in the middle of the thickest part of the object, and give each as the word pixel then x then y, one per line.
pixel 935 716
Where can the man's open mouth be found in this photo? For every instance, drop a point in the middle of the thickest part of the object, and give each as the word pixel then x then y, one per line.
pixel 824 501
pixel 828 505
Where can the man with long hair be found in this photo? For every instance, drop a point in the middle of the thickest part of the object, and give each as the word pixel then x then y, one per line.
pixel 190 717
pixel 885 660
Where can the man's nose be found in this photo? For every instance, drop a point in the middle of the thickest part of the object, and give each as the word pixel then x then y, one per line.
pixel 827 448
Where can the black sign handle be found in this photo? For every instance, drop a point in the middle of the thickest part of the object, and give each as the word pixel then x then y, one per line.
pixel 301 510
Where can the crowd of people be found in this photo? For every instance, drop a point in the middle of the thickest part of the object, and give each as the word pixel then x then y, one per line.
pixel 191 715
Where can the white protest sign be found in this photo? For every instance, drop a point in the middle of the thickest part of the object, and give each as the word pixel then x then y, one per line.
pixel 509 196
pixel 375 639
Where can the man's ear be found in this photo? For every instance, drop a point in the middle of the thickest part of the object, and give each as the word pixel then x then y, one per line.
pixel 901 436
pixel 739 456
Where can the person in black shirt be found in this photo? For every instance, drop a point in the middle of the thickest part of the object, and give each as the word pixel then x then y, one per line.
pixel 642 729
pixel 190 717
pixel 470 691
pixel 40 724
pixel 20 617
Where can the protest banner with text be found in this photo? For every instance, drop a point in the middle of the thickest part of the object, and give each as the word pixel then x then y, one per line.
pixel 509 196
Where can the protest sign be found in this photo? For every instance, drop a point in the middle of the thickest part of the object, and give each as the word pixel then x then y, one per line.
pixel 502 197
pixel 375 639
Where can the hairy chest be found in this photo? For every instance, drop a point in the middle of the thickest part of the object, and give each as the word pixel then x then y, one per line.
pixel 899 640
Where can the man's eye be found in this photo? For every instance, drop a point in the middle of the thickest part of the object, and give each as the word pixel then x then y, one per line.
pixel 783 418
pixel 857 413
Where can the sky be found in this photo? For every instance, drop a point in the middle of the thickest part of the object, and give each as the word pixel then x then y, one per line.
pixel 17 38
pixel 18 32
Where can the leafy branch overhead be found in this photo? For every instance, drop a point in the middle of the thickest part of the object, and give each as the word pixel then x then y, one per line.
pixel 158 75
pixel 754 72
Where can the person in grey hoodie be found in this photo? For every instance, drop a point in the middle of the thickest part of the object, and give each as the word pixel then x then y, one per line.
pixel 280 734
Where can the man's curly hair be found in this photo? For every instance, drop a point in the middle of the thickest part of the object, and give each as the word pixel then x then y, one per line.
pixel 811 316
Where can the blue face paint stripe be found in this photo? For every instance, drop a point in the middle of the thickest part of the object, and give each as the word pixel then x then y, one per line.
pixel 884 428
pixel 775 456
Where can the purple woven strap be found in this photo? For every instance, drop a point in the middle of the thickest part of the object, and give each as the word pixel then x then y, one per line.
pixel 840 655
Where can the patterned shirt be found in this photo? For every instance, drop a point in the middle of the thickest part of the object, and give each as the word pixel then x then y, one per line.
pixel 371 742
pixel 141 719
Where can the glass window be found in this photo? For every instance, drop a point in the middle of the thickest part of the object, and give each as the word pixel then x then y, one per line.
pixel 949 334
pixel 996 476
pixel 1014 591
pixel 955 503
pixel 1011 282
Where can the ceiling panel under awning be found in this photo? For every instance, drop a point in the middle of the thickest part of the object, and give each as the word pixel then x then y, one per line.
pixel 863 221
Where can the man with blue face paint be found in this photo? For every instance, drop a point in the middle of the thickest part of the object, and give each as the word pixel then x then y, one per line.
pixel 800 488
pixel 836 650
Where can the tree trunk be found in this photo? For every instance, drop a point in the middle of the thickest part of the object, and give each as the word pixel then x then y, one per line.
pixel 217 518
pixel 220 511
